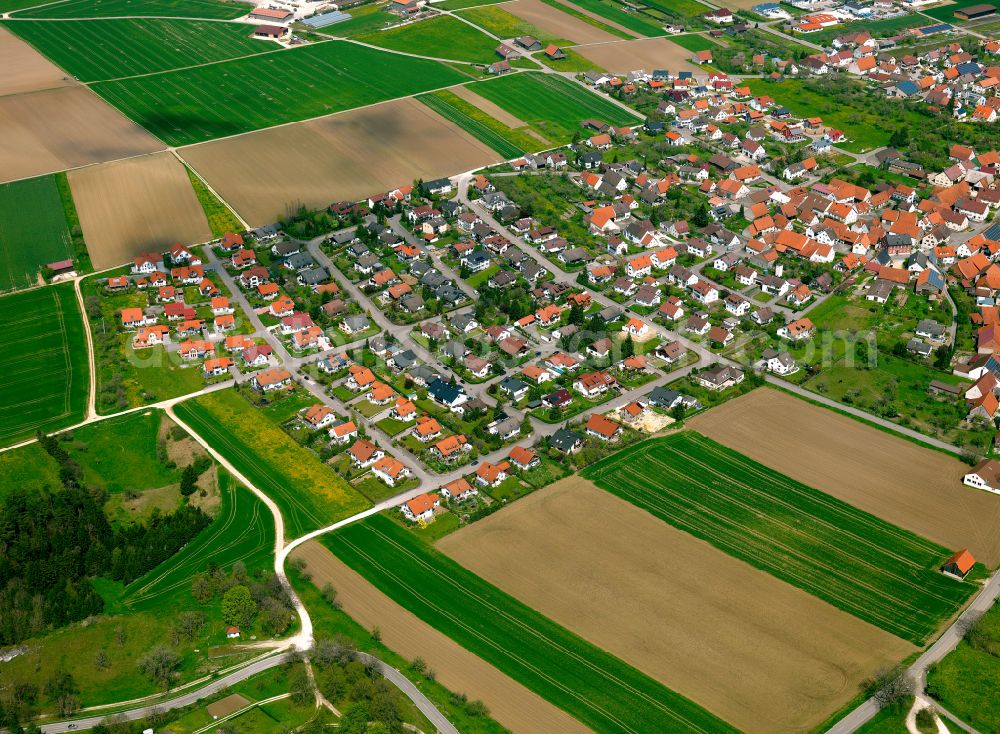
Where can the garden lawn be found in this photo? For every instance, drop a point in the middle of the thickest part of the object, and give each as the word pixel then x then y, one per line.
pixel 442 37
pixel 600 690
pixel 243 531
pixel 212 9
pixel 866 129
pixel 308 493
pixel 108 49
pixel 44 362
pixel 194 105
pixel 33 231
pixel 504 140
pixel 857 562
pixel 553 105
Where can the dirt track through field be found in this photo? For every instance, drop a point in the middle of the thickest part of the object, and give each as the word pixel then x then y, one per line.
pixel 557 23
pixel 26 70
pixel 56 129
pixel 341 157
pixel 137 205
pixel 643 53
pixel 754 650
pixel 509 702
pixel 910 486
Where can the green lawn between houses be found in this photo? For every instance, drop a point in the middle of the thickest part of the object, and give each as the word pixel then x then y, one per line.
pixel 552 105
pixel 92 50
pixel 33 231
pixel 194 105
pixel 597 688
pixel 212 9
pixel 308 493
pixel 442 37
pixel 857 562
pixel 44 362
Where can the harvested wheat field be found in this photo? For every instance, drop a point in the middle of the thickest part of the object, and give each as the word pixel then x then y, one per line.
pixel 751 649
pixel 509 702
pixel 643 53
pixel 915 488
pixel 26 70
pixel 340 157
pixel 557 23
pixel 136 205
pixel 56 129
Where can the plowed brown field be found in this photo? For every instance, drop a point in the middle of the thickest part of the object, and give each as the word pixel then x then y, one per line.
pixel 557 23
pixel 915 488
pixel 26 70
pixel 754 650
pixel 643 53
pixel 56 129
pixel 509 702
pixel 136 205
pixel 341 157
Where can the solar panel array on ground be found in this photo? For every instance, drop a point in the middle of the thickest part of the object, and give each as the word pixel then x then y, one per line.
pixel 325 19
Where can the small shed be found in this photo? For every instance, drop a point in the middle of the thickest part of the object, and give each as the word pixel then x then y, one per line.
pixel 959 565
pixel 232 633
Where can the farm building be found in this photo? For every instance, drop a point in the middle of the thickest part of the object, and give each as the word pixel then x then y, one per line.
pixel 985 475
pixel 272 15
pixel 270 32
pixel 959 565
pixel 975 12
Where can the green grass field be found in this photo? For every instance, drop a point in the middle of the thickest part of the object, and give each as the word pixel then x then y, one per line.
pixel 211 9
pixel 221 218
pixel 92 50
pixel 947 12
pixel 506 25
pixel 865 128
pixel 878 28
pixel 678 8
pixel 595 687
pixel 33 231
pixel 28 467
pixel 104 451
pixel 308 493
pixel 552 105
pixel 855 561
pixel 695 42
pixel 588 19
pixel 44 362
pixel 612 11
pixel 459 4
pixel 477 123
pixel 442 37
pixel 193 105
pixel 243 531
pixel 966 681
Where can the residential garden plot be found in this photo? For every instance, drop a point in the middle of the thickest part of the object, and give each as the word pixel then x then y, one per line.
pixel 309 494
pixel 242 532
pixel 555 23
pixel 108 49
pixel 553 105
pixel 642 53
pixel 214 101
pixel 897 480
pixel 136 205
pixel 33 231
pixel 56 129
pixel 856 561
pixel 758 652
pixel 26 70
pixel 44 362
pixel 509 703
pixel 442 37
pixel 217 9
pixel 598 689
pixel 475 122
pixel 341 157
